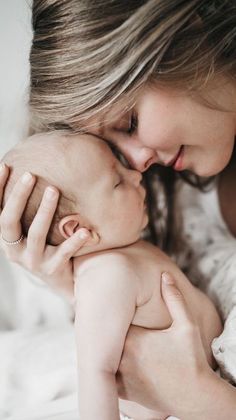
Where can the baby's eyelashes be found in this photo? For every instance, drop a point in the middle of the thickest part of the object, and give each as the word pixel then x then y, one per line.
pixel 117 183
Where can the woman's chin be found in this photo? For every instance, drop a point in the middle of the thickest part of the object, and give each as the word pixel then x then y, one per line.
pixel 212 167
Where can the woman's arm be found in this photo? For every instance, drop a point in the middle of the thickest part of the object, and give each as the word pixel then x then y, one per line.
pixel 168 369
pixel 51 264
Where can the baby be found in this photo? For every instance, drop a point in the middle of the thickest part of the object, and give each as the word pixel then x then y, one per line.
pixel 117 276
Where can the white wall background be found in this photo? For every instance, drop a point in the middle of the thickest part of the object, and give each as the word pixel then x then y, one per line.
pixel 15 40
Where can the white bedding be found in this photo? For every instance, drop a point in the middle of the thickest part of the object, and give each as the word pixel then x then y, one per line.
pixel 37 372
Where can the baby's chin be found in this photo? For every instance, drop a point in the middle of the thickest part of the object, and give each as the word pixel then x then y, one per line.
pixel 145 221
pixel 143 225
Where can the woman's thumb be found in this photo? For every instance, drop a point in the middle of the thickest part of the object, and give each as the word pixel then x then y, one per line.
pixel 174 300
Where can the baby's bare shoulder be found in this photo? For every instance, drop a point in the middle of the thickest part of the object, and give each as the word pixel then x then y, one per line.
pixel 112 265
pixel 108 273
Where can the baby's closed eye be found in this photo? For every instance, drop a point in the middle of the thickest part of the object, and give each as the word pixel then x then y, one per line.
pixel 118 182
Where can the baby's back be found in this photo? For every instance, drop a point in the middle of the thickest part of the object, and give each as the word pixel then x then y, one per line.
pixel 149 263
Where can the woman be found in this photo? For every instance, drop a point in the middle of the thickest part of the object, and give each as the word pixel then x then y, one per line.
pixel 158 80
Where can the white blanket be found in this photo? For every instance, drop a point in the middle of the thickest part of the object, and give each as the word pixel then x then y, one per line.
pixel 37 372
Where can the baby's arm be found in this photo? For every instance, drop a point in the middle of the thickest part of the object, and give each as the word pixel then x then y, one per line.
pixel 105 294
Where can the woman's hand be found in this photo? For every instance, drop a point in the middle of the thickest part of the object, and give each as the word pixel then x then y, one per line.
pixel 167 369
pixel 51 263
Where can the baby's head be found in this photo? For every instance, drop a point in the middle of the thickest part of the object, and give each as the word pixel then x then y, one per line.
pixel 96 191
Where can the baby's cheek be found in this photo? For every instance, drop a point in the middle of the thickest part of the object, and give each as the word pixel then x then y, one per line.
pixel 125 226
pixel 132 225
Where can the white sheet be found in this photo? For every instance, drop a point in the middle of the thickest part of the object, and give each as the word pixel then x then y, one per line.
pixel 37 371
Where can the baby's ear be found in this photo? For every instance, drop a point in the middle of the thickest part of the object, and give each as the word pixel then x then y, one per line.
pixel 68 225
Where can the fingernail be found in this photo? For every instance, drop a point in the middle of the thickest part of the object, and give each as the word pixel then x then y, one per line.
pixel 83 234
pixel 50 193
pixel 26 178
pixel 2 167
pixel 167 278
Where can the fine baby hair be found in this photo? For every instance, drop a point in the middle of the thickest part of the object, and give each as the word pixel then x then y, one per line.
pixel 44 156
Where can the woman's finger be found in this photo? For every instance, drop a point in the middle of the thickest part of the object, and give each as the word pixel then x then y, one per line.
pixel 179 311
pixel 14 207
pixel 68 248
pixel 4 173
pixel 39 228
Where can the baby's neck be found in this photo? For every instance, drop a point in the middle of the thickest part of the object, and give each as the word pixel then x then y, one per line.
pixel 96 249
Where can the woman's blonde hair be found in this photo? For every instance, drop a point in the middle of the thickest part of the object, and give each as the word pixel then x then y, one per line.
pixel 89 55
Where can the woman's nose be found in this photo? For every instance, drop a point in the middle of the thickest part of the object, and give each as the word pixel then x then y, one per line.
pixel 141 159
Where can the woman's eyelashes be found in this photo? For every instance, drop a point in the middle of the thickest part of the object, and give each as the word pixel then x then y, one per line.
pixel 127 124
pixel 133 124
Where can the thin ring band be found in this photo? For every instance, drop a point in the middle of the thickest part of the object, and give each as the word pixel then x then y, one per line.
pixel 10 243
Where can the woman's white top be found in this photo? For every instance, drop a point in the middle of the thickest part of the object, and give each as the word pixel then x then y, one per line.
pixel 209 261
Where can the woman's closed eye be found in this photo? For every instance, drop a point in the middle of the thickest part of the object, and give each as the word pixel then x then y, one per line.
pixel 127 124
pixel 133 124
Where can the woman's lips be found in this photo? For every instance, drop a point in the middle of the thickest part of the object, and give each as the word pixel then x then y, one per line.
pixel 178 164
pixel 177 161
pixel 173 160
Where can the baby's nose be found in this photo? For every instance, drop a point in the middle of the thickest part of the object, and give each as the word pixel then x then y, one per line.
pixel 135 177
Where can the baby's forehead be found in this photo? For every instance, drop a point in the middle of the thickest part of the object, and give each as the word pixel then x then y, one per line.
pixel 89 158
pixel 81 148
pixel 68 156
pixel 93 150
